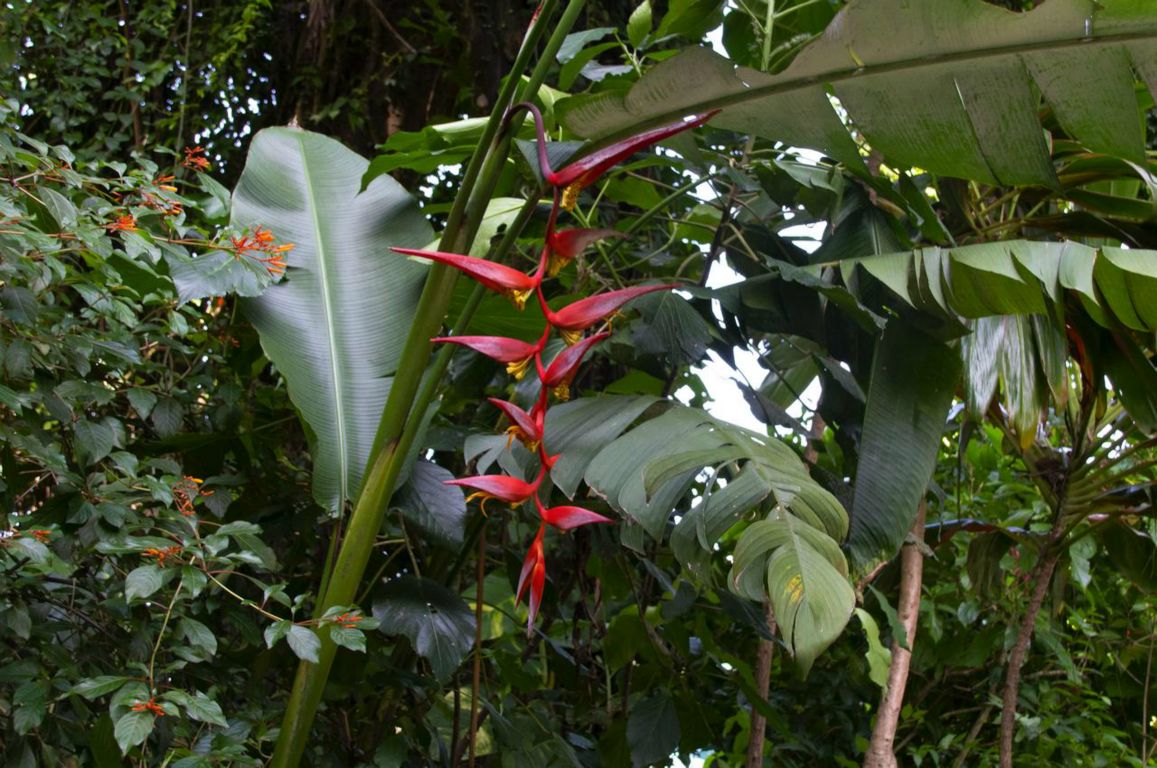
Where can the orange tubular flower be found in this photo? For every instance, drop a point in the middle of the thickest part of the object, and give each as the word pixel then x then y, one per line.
pixel 161 555
pixel 516 285
pixel 149 706
pixel 534 576
pixel 195 159
pixel 125 223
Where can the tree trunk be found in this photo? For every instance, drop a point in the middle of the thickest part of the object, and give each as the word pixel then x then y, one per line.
pixel 1042 576
pixel 762 686
pixel 880 751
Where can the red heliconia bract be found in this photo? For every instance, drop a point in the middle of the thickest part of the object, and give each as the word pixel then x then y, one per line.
pixel 583 172
pixel 567 244
pixel 582 314
pixel 534 576
pixel 515 353
pixel 571 321
pixel 527 427
pixel 567 518
pixel 561 371
pixel 497 277
pixel 502 487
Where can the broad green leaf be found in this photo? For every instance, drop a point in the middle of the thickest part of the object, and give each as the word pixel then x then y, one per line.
pixel 653 729
pixel 95 687
pixel 912 385
pixel 647 470
pixel 890 63
pixel 216 273
pixel 1135 376
pixel 334 327
pixel 198 706
pixel 143 581
pixel 94 440
pixel 639 24
pixel 435 621
pixel 806 577
pixel 132 729
pixel 670 328
pixel 1132 552
pixel 581 428
pixel 438 509
pixel 303 641
pixel 1019 277
pixel 198 635
pixel 879 658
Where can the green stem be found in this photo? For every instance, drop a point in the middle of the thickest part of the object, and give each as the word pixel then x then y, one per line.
pixel 411 392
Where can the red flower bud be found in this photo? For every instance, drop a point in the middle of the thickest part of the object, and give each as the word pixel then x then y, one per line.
pixel 533 575
pixel 497 277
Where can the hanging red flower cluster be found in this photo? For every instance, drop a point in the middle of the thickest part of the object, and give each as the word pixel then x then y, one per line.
pixel 571 322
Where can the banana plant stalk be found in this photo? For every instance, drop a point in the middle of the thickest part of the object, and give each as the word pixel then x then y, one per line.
pixel 397 429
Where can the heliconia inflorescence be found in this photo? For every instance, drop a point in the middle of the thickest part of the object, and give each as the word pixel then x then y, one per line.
pixel 571 322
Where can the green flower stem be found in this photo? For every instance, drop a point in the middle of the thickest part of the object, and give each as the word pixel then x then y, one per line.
pixel 397 430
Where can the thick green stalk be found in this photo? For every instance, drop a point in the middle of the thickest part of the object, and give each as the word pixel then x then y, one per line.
pixel 396 430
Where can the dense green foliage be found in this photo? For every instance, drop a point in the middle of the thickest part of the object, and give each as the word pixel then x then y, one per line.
pixel 190 385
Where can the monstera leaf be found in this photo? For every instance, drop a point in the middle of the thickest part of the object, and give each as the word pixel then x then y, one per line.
pixel 334 327
pixel 950 86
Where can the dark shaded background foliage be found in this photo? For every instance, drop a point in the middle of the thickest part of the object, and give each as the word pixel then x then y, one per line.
pixel 112 392
pixel 106 78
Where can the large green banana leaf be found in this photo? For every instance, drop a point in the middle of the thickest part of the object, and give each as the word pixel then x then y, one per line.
pixel 913 381
pixel 1017 291
pixel 334 327
pixel 1017 277
pixel 947 85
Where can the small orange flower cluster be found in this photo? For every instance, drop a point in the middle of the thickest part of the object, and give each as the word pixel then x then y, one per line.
pixel 149 706
pixel 125 223
pixel 40 534
pixel 166 206
pixel 195 159
pixel 185 490
pixel 162 555
pixel 261 241
pixel 347 620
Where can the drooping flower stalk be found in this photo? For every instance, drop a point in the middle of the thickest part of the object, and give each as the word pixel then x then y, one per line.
pixel 560 247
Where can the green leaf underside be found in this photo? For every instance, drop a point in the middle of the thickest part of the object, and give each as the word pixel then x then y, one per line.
pixel 1019 277
pixel 806 576
pixel 646 471
pixel 890 62
pixel 913 381
pixel 334 327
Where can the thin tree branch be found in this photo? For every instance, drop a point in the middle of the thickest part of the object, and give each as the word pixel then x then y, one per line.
pixel 880 751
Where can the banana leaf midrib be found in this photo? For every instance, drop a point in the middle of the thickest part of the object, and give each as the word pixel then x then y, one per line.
pixel 330 328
